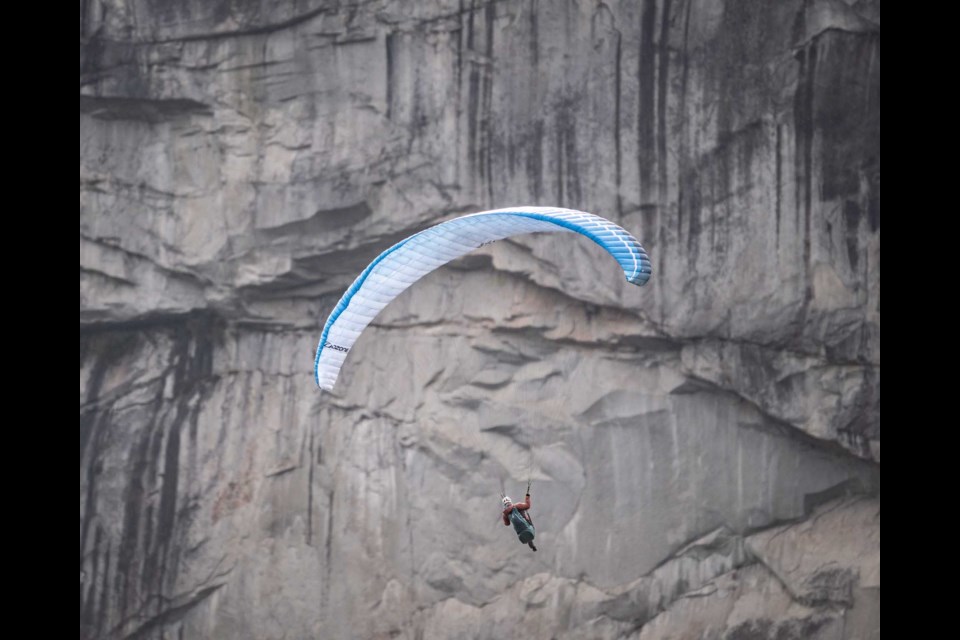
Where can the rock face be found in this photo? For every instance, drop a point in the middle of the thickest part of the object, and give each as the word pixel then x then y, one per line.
pixel 704 450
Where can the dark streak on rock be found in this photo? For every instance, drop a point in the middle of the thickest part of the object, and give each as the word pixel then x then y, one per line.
pixel 140 323
pixel 171 615
pixel 682 169
pixel 129 539
pixel 646 116
pixel 328 547
pixel 84 11
pixel 846 111
pixel 105 592
pixel 90 580
pixel 662 77
pixel 558 162
pixel 391 56
pixel 246 31
pixel 851 219
pixel 106 354
pixel 151 559
pixel 148 552
pixel 473 95
pixel 167 510
pixel 690 185
pixel 310 472
pixel 490 14
pixel 144 109
pixel 872 170
pixel 567 132
pixel 618 159
pixel 533 142
pixel 98 56
pixel 94 436
pixel 534 34
pixel 535 160
pixel 847 488
pixel 779 179
pixel 803 113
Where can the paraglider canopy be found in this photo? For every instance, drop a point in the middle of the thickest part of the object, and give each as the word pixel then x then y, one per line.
pixel 409 260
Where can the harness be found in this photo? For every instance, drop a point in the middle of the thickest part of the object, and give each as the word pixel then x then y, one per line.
pixel 523 525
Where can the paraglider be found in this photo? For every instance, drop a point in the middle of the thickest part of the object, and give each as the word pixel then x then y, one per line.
pixel 518 515
pixel 409 260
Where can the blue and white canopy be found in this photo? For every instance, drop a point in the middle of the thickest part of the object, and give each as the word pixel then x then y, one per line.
pixel 409 260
